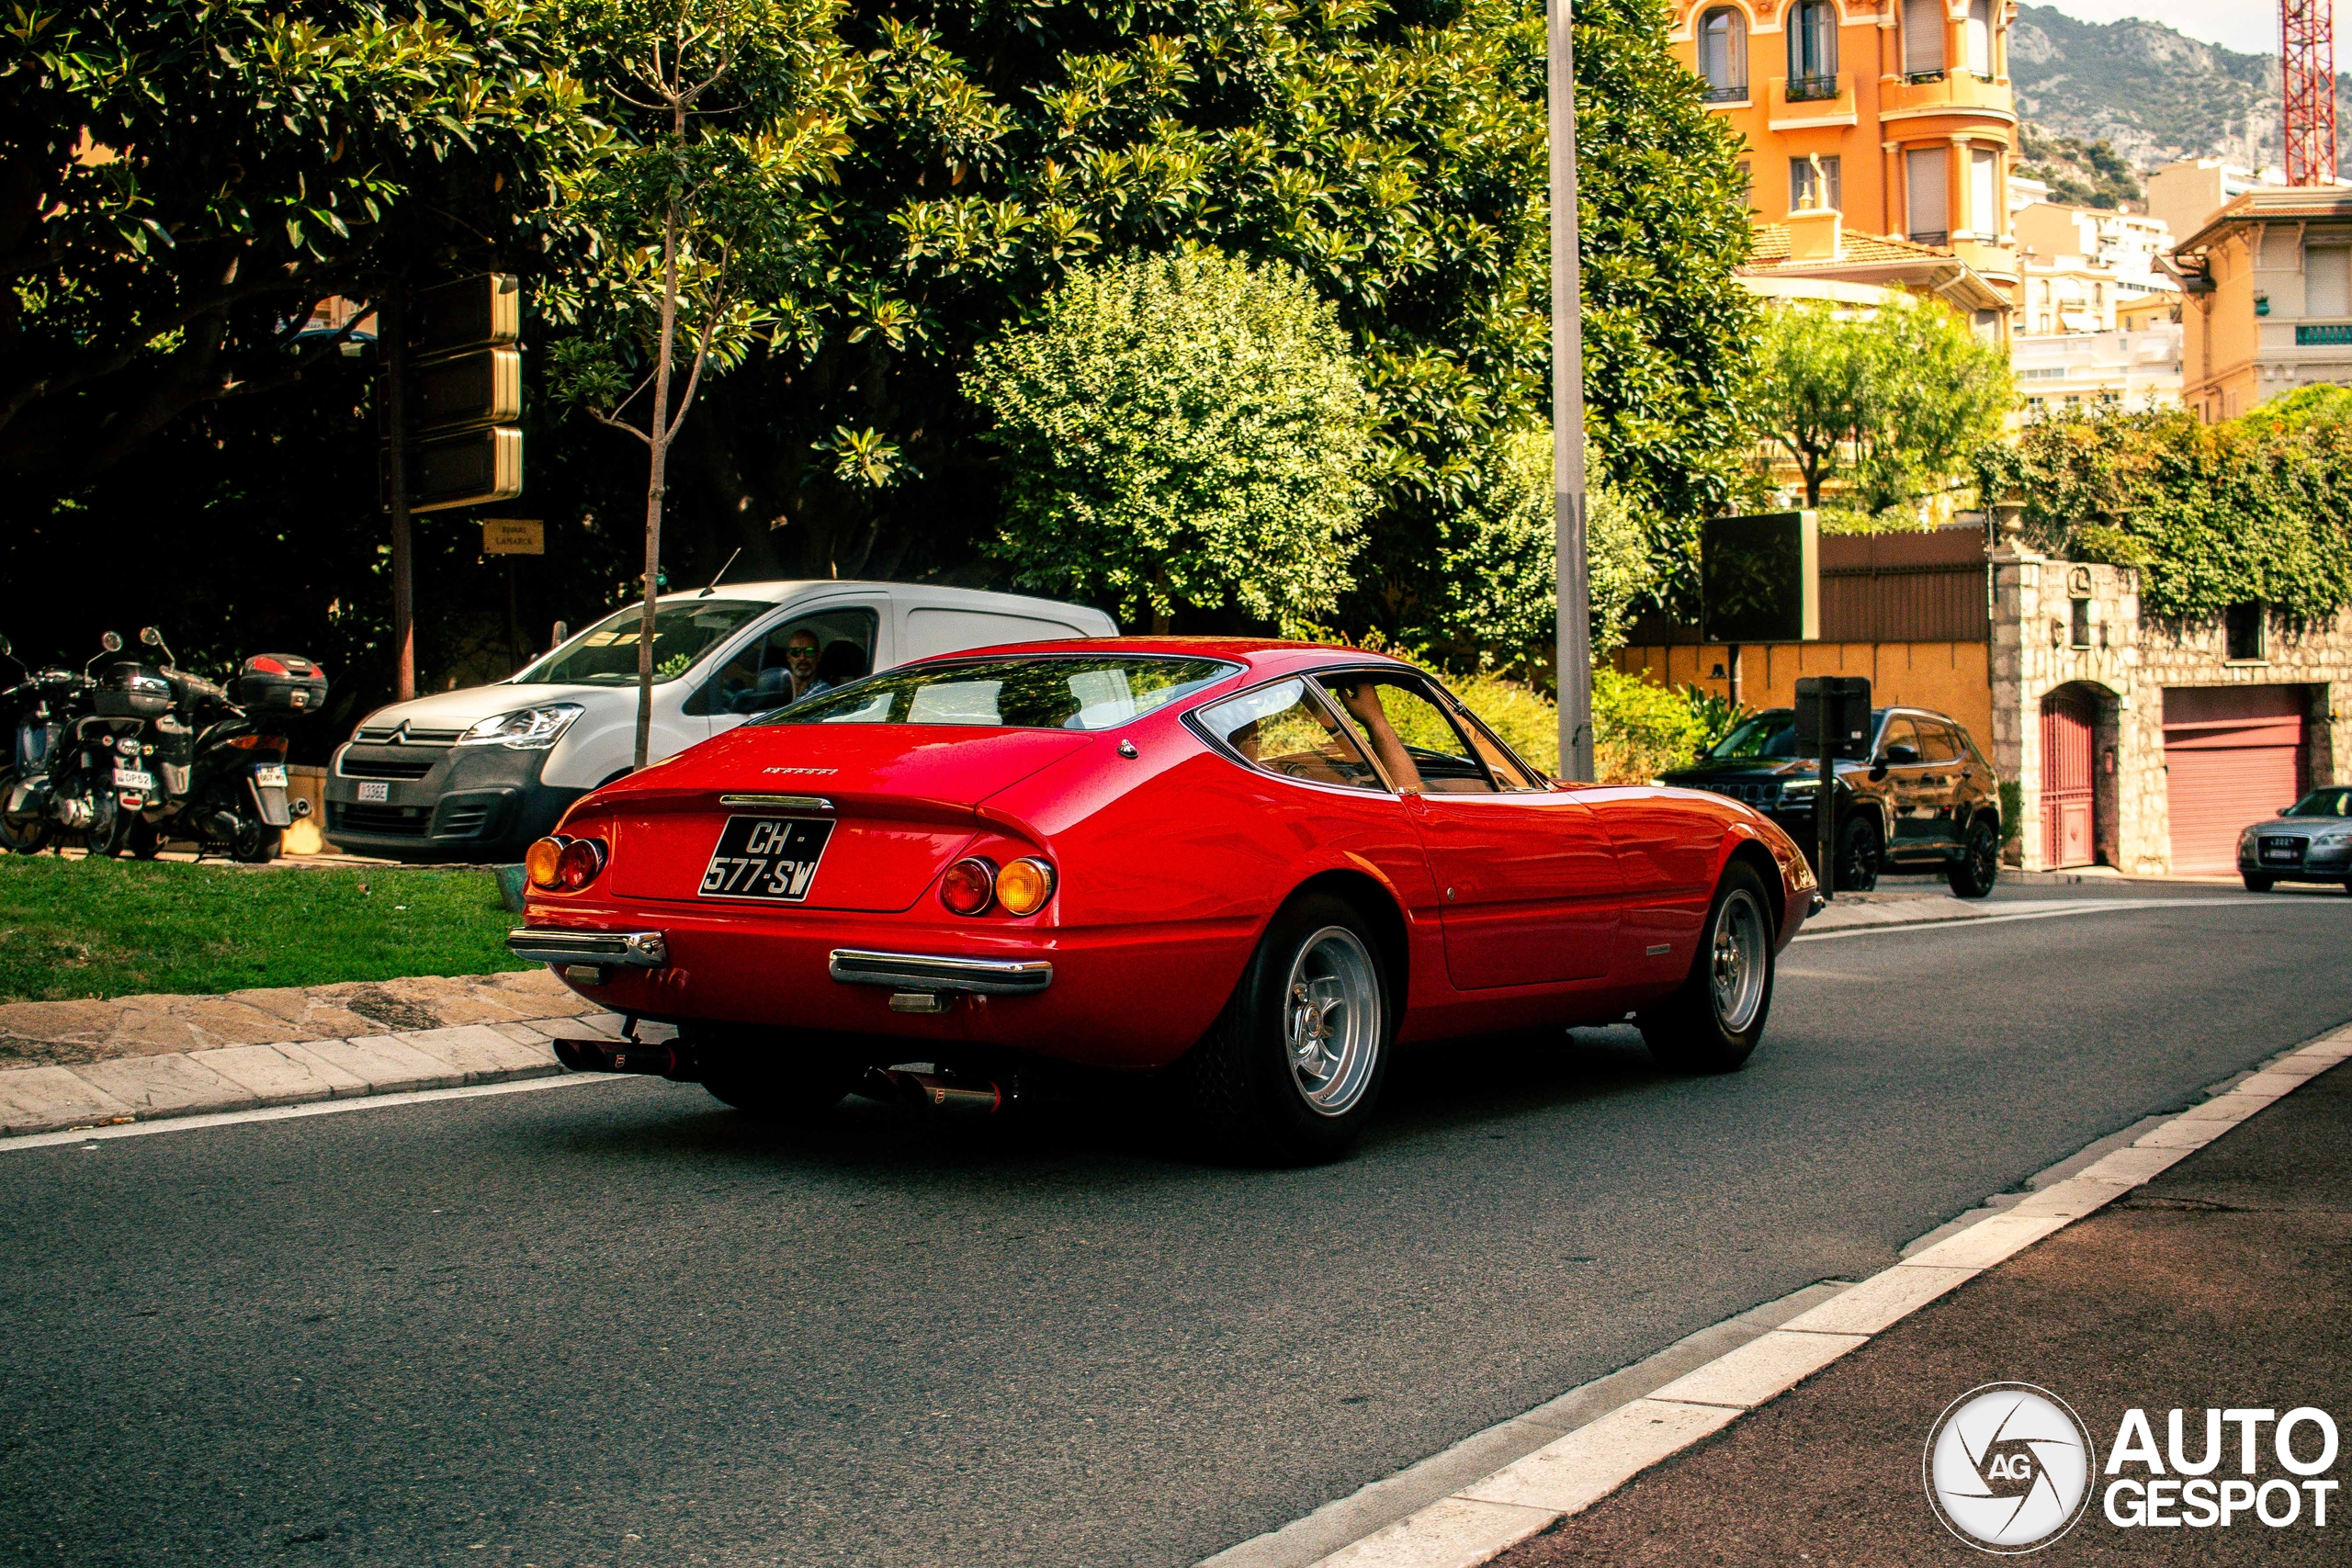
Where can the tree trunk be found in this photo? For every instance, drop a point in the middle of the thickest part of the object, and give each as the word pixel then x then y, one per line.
pixel 658 431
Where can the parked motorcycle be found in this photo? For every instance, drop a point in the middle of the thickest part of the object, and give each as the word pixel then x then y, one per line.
pixel 144 752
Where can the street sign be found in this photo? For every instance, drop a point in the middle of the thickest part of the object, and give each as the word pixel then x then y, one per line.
pixel 472 312
pixel 483 386
pixel 513 536
pixel 466 469
pixel 1759 578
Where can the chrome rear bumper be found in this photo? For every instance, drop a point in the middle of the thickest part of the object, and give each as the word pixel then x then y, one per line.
pixel 610 950
pixel 928 972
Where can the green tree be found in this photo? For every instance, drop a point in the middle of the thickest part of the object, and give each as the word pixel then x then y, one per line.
pixel 729 115
pixel 1895 405
pixel 1181 431
pixel 182 181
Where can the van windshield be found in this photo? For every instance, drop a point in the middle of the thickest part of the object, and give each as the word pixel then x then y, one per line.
pixel 606 654
pixel 1047 692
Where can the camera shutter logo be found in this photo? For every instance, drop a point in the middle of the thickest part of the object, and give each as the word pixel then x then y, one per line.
pixel 2008 1467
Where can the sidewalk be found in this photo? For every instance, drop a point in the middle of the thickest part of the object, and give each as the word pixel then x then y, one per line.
pixel 66 1064
pixel 2224 1282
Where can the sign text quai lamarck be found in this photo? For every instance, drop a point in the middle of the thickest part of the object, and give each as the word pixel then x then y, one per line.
pixel 513 536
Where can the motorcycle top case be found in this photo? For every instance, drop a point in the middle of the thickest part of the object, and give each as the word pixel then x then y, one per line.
pixel 280 683
pixel 130 689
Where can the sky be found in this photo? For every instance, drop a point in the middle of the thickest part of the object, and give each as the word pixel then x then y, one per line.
pixel 2250 26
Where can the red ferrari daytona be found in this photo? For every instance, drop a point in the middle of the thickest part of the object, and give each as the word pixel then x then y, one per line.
pixel 1261 867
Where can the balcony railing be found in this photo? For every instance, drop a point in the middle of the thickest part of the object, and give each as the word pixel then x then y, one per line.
pixel 1917 78
pixel 2332 332
pixel 1812 89
pixel 1736 94
pixel 1939 238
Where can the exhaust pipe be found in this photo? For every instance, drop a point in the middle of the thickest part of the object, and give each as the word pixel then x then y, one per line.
pixel 936 1091
pixel 672 1059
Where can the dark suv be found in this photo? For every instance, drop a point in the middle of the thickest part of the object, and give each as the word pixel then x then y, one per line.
pixel 1926 800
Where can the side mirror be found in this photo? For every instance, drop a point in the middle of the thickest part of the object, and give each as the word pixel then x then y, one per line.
pixel 111 642
pixel 8 650
pixel 151 636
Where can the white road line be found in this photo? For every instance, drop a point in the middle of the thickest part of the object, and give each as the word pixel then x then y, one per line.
pixel 2084 907
pixel 1479 1521
pixel 288 1112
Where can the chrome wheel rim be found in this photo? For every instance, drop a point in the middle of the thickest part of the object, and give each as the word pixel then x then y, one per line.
pixel 1737 964
pixel 1331 1023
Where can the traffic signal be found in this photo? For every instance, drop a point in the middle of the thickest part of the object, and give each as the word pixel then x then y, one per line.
pixel 465 392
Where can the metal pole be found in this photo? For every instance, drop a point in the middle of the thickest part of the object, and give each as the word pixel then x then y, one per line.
pixel 1573 660
pixel 392 339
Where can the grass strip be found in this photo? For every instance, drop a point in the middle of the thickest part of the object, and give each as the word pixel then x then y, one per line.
pixel 70 930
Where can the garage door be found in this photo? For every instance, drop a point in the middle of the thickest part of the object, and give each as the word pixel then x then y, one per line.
pixel 2232 757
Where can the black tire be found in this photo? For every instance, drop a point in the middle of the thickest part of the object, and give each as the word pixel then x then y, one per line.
pixel 1979 865
pixel 1699 1028
pixel 1861 850
pixel 255 844
pixel 771 1075
pixel 2258 884
pixel 1243 1090
pixel 21 837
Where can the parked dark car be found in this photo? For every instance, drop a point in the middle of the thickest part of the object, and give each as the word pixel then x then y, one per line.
pixel 2309 842
pixel 1926 800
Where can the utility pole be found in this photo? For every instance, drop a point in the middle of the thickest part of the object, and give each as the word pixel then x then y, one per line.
pixel 1573 657
pixel 392 337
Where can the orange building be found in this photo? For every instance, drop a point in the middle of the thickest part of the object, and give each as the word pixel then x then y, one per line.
pixel 1896 113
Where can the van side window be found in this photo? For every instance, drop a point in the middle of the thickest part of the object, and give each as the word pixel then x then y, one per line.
pixel 931 629
pixel 762 676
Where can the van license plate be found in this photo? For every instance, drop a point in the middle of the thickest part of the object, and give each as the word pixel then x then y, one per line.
pixel 374 792
pixel 770 858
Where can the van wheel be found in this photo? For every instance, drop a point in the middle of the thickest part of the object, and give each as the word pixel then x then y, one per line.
pixel 1713 1019
pixel 1291 1070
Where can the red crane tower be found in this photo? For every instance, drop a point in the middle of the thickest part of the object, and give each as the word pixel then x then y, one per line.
pixel 2307 42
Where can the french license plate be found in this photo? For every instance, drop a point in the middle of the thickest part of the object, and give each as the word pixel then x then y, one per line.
pixel 773 858
pixel 272 776
pixel 374 792
pixel 133 778
pixel 2277 851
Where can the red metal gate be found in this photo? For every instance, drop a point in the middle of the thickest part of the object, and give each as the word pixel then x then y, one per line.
pixel 2068 833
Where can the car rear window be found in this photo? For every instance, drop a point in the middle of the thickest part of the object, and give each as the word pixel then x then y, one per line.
pixel 1043 692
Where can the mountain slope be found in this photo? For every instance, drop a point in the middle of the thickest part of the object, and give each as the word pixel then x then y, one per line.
pixel 2154 93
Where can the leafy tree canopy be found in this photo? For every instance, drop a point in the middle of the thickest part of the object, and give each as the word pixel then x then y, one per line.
pixel 1182 429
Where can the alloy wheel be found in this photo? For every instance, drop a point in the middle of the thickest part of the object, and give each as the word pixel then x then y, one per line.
pixel 1737 964
pixel 1331 1021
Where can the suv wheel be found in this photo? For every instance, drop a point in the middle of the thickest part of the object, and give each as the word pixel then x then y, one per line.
pixel 1979 865
pixel 1859 851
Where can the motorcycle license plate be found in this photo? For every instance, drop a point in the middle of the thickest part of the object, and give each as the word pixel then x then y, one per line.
pixel 374 792
pixel 133 778
pixel 773 858
pixel 270 775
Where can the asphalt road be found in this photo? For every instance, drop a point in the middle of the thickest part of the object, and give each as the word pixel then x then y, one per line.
pixel 613 1324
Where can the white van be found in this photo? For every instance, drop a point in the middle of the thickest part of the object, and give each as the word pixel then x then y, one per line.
pixel 477 775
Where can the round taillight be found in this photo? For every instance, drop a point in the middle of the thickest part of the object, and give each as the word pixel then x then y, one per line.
pixel 1024 886
pixel 577 865
pixel 968 886
pixel 540 860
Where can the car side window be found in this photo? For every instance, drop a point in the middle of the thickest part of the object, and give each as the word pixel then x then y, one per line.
pixel 1937 742
pixel 1900 742
pixel 797 658
pixel 1284 730
pixel 1508 770
pixel 1402 724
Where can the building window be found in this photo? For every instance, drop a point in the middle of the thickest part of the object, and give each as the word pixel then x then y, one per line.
pixel 1988 329
pixel 1984 192
pixel 1980 39
pixel 1923 40
pixel 1812 50
pixel 2327 291
pixel 1806 190
pixel 1722 54
pixel 2079 623
pixel 1926 195
pixel 2243 628
pixel 1747 183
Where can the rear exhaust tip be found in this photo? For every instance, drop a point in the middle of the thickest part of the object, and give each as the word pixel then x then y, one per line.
pixel 928 1090
pixel 668 1059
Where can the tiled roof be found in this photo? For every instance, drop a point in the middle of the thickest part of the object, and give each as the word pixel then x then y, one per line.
pixel 1857 249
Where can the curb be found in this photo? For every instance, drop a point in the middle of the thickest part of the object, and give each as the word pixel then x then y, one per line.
pixel 1477 1522
pixel 247 1078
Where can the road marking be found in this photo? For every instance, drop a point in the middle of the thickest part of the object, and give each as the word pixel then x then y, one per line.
pixel 2051 912
pixel 288 1113
pixel 1478 1521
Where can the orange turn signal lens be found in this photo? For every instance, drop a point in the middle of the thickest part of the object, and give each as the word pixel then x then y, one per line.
pixel 1024 886
pixel 540 860
pixel 968 886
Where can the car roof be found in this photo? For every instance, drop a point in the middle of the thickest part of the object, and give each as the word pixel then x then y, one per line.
pixel 1265 656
